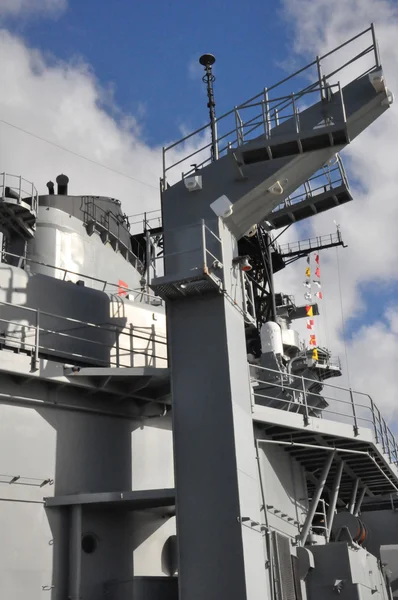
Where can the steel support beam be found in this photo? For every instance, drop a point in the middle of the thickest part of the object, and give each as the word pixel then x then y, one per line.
pixel 317 496
pixel 314 480
pixel 359 501
pixel 333 499
pixel 75 551
pixel 353 496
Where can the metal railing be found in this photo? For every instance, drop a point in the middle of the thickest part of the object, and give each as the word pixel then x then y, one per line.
pixel 110 226
pixel 326 179
pixel 109 345
pixel 198 258
pixel 305 245
pixel 143 220
pixel 264 112
pixel 24 190
pixel 346 405
pixel 103 285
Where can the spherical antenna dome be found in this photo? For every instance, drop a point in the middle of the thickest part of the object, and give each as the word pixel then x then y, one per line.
pixel 207 60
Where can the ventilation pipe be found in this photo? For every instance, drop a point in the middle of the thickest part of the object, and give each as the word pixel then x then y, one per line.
pixel 62 181
pixel 50 186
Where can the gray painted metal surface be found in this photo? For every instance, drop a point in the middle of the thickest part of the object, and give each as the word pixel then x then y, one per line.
pixel 139 466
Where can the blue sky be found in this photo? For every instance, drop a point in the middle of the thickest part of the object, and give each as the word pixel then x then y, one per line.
pixel 147 52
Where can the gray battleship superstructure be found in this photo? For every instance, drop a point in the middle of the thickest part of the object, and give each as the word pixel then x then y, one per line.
pixel 164 432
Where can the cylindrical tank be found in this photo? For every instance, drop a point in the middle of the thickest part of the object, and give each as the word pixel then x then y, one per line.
pixel 355 526
pixel 271 338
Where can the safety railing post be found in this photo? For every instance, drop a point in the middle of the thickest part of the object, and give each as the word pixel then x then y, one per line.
pixel 396 452
pixel 305 416
pixel 117 347
pixel 381 432
pixel 20 190
pixel 320 78
pixel 372 408
pixel 3 191
pixel 204 246
pixel 238 126
pixel 164 167
pixel 354 413
pixel 375 45
pixel 265 107
pixel 35 354
pixel 387 440
pixel 295 114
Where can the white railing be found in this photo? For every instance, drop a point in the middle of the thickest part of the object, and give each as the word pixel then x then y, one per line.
pixel 22 188
pixel 262 113
pixel 124 345
pixel 326 179
pixel 346 405
pixel 103 285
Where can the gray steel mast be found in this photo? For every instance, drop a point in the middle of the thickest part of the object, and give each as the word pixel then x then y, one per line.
pixel 221 551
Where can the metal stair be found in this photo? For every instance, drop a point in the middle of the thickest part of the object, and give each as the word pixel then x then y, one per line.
pixel 273 143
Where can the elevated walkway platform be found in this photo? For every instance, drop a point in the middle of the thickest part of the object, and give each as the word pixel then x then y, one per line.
pixel 270 145
pixel 327 189
pixel 126 500
pixel 348 422
pixel 364 458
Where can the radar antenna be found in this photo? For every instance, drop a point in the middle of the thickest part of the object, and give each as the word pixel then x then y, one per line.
pixel 208 60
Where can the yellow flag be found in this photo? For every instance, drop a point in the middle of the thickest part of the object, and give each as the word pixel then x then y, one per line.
pixel 308 272
pixel 308 311
pixel 315 354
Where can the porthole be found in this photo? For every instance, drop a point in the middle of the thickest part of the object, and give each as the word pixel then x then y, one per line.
pixel 89 543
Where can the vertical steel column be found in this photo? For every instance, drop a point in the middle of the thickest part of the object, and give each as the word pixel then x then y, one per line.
pixel 75 552
pixel 318 493
pixel 353 496
pixel 334 498
pixel 359 502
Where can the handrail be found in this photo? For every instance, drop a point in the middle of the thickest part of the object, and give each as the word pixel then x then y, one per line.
pixel 23 194
pixel 37 332
pixel 24 259
pixel 322 85
pixel 285 382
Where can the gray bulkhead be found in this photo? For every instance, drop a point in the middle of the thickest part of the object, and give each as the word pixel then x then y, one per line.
pixel 65 240
pixel 59 440
pixel 79 452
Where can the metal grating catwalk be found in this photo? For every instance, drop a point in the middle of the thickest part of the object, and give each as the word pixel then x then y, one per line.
pixel 362 458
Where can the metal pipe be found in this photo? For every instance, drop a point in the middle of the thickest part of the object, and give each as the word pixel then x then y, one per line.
pixel 359 502
pixel 318 493
pixel 75 551
pixel 327 448
pixel 334 498
pixel 208 60
pixel 353 496
pixel 268 533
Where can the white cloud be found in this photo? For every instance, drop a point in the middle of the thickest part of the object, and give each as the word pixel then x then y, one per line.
pixel 24 8
pixel 64 103
pixel 368 223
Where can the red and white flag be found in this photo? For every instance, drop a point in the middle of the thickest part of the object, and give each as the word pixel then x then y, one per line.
pixel 310 323
pixel 319 295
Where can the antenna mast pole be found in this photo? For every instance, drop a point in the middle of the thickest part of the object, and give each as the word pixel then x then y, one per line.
pixel 207 61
